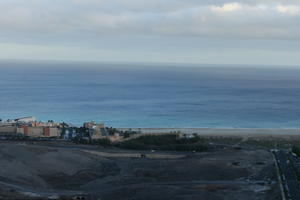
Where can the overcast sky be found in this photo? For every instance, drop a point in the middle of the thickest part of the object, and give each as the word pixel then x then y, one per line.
pixel 178 31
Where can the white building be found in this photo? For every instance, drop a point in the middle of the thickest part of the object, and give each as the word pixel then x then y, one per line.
pixel 26 119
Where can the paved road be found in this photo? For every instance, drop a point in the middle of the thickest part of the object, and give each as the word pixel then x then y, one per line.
pixel 288 174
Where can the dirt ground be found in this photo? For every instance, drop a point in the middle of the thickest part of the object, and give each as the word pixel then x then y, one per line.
pixel 44 170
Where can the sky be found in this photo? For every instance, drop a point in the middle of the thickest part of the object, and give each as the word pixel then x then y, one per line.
pixel 265 32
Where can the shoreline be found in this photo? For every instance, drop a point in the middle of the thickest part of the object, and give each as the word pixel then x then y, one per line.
pixel 220 131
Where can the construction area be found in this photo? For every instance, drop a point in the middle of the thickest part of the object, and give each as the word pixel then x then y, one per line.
pixel 62 170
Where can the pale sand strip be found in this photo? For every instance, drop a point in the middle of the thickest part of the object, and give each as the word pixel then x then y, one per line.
pixel 133 155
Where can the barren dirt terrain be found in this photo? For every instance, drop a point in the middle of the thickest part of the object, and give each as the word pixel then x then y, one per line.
pixel 45 170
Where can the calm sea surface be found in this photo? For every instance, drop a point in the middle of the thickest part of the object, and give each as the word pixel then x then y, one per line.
pixel 152 96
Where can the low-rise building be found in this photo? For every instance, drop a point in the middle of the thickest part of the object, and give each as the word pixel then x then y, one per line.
pixel 68 133
pixel 51 132
pixel 7 130
pixel 28 126
pixel 39 131
pixel 96 130
pixel 25 119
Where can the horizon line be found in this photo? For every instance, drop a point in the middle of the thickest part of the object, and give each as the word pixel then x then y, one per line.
pixel 173 64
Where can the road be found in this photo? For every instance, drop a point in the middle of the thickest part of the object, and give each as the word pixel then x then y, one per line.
pixel 288 174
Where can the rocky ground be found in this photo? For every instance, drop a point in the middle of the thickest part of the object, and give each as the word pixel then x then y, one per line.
pixel 45 170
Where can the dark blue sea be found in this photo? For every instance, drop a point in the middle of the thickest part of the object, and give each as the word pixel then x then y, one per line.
pixel 145 95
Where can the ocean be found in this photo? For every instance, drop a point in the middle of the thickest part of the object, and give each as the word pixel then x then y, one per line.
pixel 146 95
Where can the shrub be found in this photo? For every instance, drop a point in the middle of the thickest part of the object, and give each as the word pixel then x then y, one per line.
pixel 169 142
pixel 296 150
pixel 102 142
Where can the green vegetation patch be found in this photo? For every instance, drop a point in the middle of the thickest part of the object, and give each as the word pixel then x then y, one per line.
pixel 296 150
pixel 170 142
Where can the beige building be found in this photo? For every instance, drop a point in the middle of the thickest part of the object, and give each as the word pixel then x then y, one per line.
pixel 96 130
pixel 52 132
pixel 39 131
pixel 8 130
pixel 93 125
pixel 28 126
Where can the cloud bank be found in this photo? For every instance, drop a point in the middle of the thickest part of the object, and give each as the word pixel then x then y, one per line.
pixel 206 31
pixel 258 19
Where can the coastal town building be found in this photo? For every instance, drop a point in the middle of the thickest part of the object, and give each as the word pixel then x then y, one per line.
pixel 39 131
pixel 68 133
pixel 25 119
pixel 6 129
pixel 29 127
pixel 96 130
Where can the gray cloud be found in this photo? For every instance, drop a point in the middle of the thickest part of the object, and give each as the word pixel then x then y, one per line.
pixel 248 31
pixel 258 19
